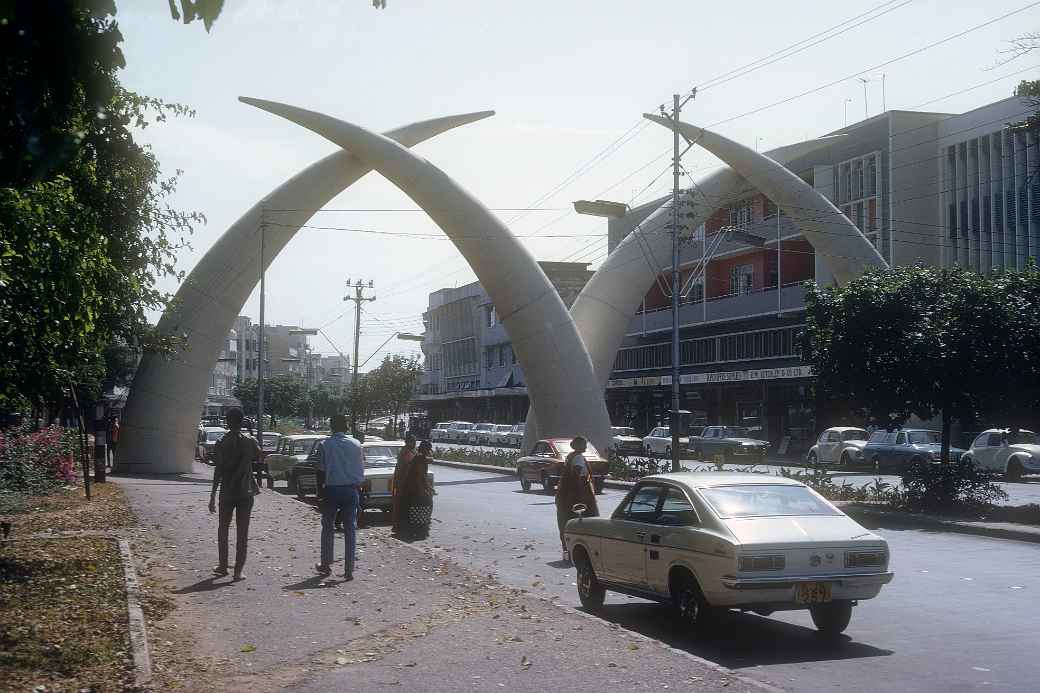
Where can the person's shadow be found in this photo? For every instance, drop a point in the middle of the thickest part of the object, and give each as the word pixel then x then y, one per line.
pixel 316 582
pixel 207 585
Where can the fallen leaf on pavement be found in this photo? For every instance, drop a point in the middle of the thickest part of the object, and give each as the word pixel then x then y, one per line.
pixel 525 663
pixel 248 648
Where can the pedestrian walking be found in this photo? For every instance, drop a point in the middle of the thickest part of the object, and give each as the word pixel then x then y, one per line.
pixel 415 509
pixel 233 458
pixel 341 461
pixel 576 486
pixel 113 440
pixel 400 470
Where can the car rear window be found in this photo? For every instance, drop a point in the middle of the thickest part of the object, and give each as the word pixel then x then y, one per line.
pixel 765 500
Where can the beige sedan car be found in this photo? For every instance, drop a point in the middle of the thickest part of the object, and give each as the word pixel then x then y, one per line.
pixel 709 541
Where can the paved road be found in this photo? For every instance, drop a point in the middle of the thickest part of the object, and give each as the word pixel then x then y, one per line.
pixel 961 614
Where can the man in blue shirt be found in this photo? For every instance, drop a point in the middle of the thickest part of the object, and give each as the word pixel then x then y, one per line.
pixel 341 458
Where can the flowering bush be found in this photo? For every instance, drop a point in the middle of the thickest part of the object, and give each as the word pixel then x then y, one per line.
pixel 34 462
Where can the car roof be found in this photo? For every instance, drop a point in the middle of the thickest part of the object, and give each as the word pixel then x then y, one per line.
pixel 712 479
pixel 214 428
pixel 1003 430
pixel 846 428
pixel 382 443
pixel 304 436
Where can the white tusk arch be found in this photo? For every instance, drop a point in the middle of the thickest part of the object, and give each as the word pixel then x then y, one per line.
pixel 560 379
pixel 162 414
pixel 606 305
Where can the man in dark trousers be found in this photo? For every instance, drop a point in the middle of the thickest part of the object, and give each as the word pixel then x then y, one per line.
pixel 233 458
pixel 341 460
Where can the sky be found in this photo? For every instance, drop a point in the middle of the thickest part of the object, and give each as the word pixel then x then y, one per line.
pixel 569 82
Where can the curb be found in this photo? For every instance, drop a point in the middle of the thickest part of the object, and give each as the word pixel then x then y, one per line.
pixel 136 624
pixel 916 521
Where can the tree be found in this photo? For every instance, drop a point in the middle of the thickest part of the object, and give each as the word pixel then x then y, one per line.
pixel 910 341
pixel 86 231
pixel 393 381
pixel 283 395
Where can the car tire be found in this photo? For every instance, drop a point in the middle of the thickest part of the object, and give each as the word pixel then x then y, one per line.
pixel 1014 471
pixel 691 608
pixel 831 619
pixel 548 484
pixel 525 484
pixel 845 461
pixel 590 592
pixel 812 459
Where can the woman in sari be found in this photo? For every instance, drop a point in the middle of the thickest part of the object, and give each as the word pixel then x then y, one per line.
pixel 415 506
pixel 404 458
pixel 576 486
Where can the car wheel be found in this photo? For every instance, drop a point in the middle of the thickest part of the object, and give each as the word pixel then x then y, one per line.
pixel 1014 471
pixel 525 484
pixel 845 461
pixel 812 459
pixel 668 452
pixel 831 619
pixel 691 607
pixel 590 592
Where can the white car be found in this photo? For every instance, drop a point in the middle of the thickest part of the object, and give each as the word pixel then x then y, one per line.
pixel 478 435
pixel 458 432
pixel 498 436
pixel 291 451
pixel 708 541
pixel 659 442
pixel 380 462
pixel 439 432
pixel 1012 454
pixel 625 442
pixel 207 441
pixel 515 437
pixel 841 444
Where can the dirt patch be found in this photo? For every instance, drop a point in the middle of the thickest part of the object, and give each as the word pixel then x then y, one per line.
pixel 68 510
pixel 65 620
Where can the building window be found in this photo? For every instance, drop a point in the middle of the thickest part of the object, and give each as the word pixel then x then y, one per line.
pixel 741 279
pixel 487 357
pixel 740 216
pixel 492 318
pixel 501 355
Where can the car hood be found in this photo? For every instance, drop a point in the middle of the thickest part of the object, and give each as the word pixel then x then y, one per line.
pixel 798 530
pixel 628 439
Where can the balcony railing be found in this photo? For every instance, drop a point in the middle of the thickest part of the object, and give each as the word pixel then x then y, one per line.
pixel 730 307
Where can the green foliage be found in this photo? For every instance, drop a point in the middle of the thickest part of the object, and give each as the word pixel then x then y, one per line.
pixel 949 488
pixel 926 341
pixel 496 458
pixel 33 463
pixel 85 231
pixel 190 10
pixel 390 385
pixel 284 395
pixel 1028 88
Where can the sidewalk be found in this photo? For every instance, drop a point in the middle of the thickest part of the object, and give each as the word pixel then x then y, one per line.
pixel 409 619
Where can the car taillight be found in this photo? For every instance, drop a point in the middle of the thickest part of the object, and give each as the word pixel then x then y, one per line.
pixel 866 559
pixel 755 563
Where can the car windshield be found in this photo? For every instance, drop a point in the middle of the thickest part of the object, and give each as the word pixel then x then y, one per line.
pixel 214 436
pixel 855 434
pixel 735 432
pixel 564 446
pixel 923 437
pixel 1022 438
pixel 765 500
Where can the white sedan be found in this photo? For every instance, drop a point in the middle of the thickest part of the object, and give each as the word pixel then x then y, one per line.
pixel 708 541
pixel 1010 453
pixel 659 442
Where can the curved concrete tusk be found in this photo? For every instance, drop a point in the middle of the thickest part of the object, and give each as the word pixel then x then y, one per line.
pixel 559 374
pixel 162 413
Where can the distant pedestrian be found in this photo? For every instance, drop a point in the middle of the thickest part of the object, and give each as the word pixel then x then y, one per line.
pixel 415 508
pixel 233 458
pixel 576 486
pixel 341 460
pixel 113 440
pixel 400 470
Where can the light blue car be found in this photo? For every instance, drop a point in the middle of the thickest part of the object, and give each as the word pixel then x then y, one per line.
pixel 900 449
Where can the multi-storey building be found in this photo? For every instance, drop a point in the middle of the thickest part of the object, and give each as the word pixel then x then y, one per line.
pixel 470 369
pixel 933 188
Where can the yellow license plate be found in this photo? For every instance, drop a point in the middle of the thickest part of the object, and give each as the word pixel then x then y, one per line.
pixel 812 592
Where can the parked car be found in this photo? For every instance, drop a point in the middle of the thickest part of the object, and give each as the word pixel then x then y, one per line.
pixel 478 435
pixel 1012 454
pixel 625 441
pixel 268 445
pixel 439 432
pixel 498 436
pixel 380 462
pixel 898 449
pixel 841 444
pixel 729 444
pixel 545 464
pixel 515 437
pixel 459 432
pixel 659 442
pixel 707 541
pixel 207 440
pixel 291 449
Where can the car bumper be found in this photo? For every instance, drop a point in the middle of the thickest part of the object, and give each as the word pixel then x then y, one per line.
pixel 779 592
pixel 378 500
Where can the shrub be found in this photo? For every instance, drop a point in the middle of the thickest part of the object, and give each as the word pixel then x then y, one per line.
pixel 953 488
pixel 34 462
pixel 495 458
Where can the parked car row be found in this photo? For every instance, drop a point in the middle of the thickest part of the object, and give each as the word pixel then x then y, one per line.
pixel 467 433
pixel 1011 453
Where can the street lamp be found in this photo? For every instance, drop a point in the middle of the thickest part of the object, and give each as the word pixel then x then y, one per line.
pixel 601 208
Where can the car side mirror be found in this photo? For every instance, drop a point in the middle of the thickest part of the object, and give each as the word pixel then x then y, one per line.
pixel 579 509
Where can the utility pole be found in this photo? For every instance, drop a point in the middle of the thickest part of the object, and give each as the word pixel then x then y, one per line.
pixel 260 338
pixel 358 298
pixel 676 418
